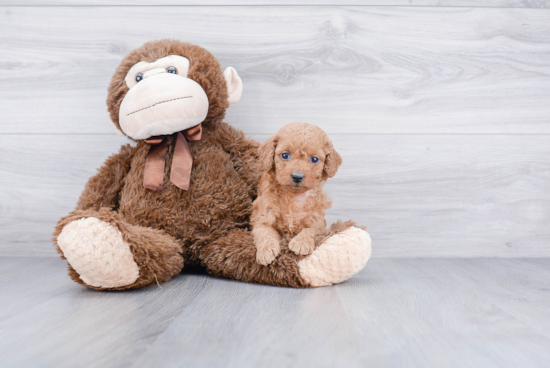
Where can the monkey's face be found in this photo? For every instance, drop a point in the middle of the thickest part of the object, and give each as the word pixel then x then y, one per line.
pixel 161 99
pixel 169 86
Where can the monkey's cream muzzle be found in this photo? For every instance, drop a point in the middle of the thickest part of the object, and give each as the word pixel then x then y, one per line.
pixel 162 103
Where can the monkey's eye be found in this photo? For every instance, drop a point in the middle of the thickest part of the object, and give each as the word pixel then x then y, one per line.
pixel 314 159
pixel 172 69
pixel 139 77
pixel 285 156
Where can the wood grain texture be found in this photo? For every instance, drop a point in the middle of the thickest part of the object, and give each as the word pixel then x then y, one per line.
pixel 53 170
pixel 396 312
pixel 435 327
pixel 521 285
pixel 441 113
pixel 433 3
pixel 419 195
pixel 348 69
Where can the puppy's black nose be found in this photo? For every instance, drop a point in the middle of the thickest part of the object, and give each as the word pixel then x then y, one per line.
pixel 297 177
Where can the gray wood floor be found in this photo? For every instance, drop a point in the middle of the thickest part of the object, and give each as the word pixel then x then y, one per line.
pixel 396 313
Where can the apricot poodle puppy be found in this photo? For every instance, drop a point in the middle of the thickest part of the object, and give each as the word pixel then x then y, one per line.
pixel 298 160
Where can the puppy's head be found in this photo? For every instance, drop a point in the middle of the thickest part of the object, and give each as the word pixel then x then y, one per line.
pixel 301 156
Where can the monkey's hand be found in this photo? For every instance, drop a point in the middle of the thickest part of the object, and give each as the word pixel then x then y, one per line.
pixel 303 243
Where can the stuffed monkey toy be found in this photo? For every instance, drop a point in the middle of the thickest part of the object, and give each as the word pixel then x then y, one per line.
pixel 182 195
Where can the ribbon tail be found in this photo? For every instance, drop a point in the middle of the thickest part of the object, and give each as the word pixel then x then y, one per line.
pixel 153 176
pixel 182 163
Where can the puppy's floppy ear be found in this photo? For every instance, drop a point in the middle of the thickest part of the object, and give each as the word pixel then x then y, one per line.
pixel 332 161
pixel 266 153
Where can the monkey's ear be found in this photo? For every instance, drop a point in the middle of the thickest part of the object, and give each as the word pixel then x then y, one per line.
pixel 234 84
pixel 332 162
pixel 266 153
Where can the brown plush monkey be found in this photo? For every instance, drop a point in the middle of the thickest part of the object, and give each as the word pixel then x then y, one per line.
pixel 183 194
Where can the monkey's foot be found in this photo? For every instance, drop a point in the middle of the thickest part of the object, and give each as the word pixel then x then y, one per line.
pixel 337 259
pixel 98 253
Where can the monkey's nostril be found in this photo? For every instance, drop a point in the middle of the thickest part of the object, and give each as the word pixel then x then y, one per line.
pixel 297 177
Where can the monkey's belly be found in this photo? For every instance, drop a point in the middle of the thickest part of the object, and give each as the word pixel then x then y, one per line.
pixel 217 201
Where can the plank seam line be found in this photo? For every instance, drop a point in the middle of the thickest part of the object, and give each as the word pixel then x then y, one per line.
pixel 273 6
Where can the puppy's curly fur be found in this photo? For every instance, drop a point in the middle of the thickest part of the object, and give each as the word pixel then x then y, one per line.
pixel 291 202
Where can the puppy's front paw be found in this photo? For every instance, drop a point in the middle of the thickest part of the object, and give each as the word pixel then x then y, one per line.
pixel 267 251
pixel 302 243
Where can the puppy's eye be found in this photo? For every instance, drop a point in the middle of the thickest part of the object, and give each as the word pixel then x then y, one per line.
pixel 285 156
pixel 139 77
pixel 172 69
pixel 314 159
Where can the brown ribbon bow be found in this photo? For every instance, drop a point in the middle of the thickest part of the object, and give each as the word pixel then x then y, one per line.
pixel 182 162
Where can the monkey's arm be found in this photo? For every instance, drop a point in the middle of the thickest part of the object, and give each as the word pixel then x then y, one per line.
pixel 102 189
pixel 244 154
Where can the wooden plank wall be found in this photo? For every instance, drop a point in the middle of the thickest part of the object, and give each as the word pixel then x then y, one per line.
pixel 440 109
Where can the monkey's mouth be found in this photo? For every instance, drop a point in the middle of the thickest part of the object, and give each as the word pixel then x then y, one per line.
pixel 158 103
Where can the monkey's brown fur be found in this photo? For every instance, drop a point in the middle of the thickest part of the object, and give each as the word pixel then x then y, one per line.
pixel 284 206
pixel 207 225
